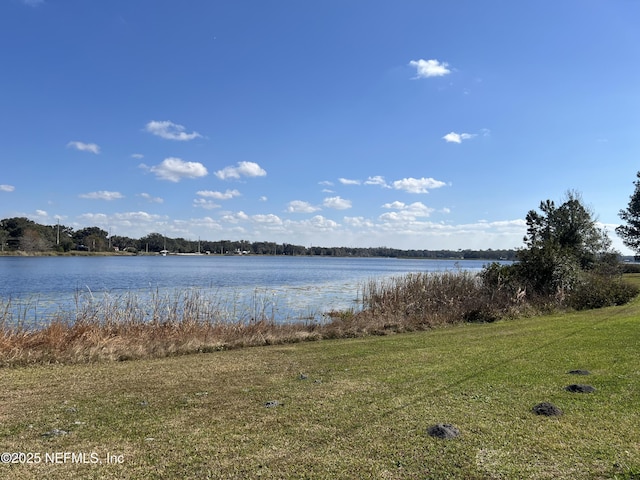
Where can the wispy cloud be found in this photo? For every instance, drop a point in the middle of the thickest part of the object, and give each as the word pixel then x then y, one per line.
pixel 137 156
pixel 453 137
pixel 430 68
pixel 417 185
pixel 33 3
pixel 204 203
pixel 136 223
pixel 267 219
pixel 170 131
pixel 299 206
pixel 243 169
pixel 377 180
pixel 320 223
pixel 337 203
pixel 175 169
pixel 347 181
pixel 219 195
pixel 404 212
pixel 394 205
pixel 7 188
pixel 102 195
pixel 235 217
pixel 151 198
pixel 358 222
pixel 84 147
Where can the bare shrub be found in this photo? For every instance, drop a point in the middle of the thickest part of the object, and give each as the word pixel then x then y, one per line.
pixel 424 300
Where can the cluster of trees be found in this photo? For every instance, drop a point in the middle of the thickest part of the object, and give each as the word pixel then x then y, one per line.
pixel 566 257
pixel 22 234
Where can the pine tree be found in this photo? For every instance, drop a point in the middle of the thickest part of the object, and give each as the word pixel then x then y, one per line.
pixel 630 233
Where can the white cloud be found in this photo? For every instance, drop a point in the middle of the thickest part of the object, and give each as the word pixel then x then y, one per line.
pixel 270 219
pixel 377 180
pixel 453 137
pixel 244 169
pixel 175 169
pixel 326 183
pixel 358 222
pixel 151 198
pixel 394 205
pixel 102 195
pixel 136 217
pixel 137 155
pixel 206 204
pixel 235 217
pixel 430 68
pixel 337 202
pixel 219 195
pixel 320 223
pixel 406 213
pixel 346 181
pixel 417 185
pixel 298 206
pixel 170 131
pixel 84 147
pixel 7 188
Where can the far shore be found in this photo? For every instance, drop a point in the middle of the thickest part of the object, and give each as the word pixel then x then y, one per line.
pixel 79 253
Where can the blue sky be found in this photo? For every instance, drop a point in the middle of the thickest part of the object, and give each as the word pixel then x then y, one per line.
pixel 407 124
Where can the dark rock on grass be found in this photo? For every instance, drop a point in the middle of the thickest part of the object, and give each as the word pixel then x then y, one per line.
pixel 579 372
pixel 547 409
pixel 272 404
pixel 303 376
pixel 576 388
pixel 444 431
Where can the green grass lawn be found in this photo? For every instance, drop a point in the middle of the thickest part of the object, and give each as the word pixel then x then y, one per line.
pixel 361 411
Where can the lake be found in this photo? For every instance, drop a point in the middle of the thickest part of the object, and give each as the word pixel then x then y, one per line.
pixel 283 287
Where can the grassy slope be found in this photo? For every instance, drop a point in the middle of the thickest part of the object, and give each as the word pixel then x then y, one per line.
pixel 362 412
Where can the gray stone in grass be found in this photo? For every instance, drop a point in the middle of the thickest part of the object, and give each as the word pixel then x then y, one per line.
pixel 443 431
pixel 547 409
pixel 54 433
pixel 577 388
pixel 272 404
pixel 579 372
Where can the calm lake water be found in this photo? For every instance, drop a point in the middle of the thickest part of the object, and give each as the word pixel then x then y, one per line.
pixel 283 288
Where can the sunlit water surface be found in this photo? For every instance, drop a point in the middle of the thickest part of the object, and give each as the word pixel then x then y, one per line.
pixel 32 289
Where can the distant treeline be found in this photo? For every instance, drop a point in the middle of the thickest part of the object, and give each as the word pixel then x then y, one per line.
pixel 22 234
